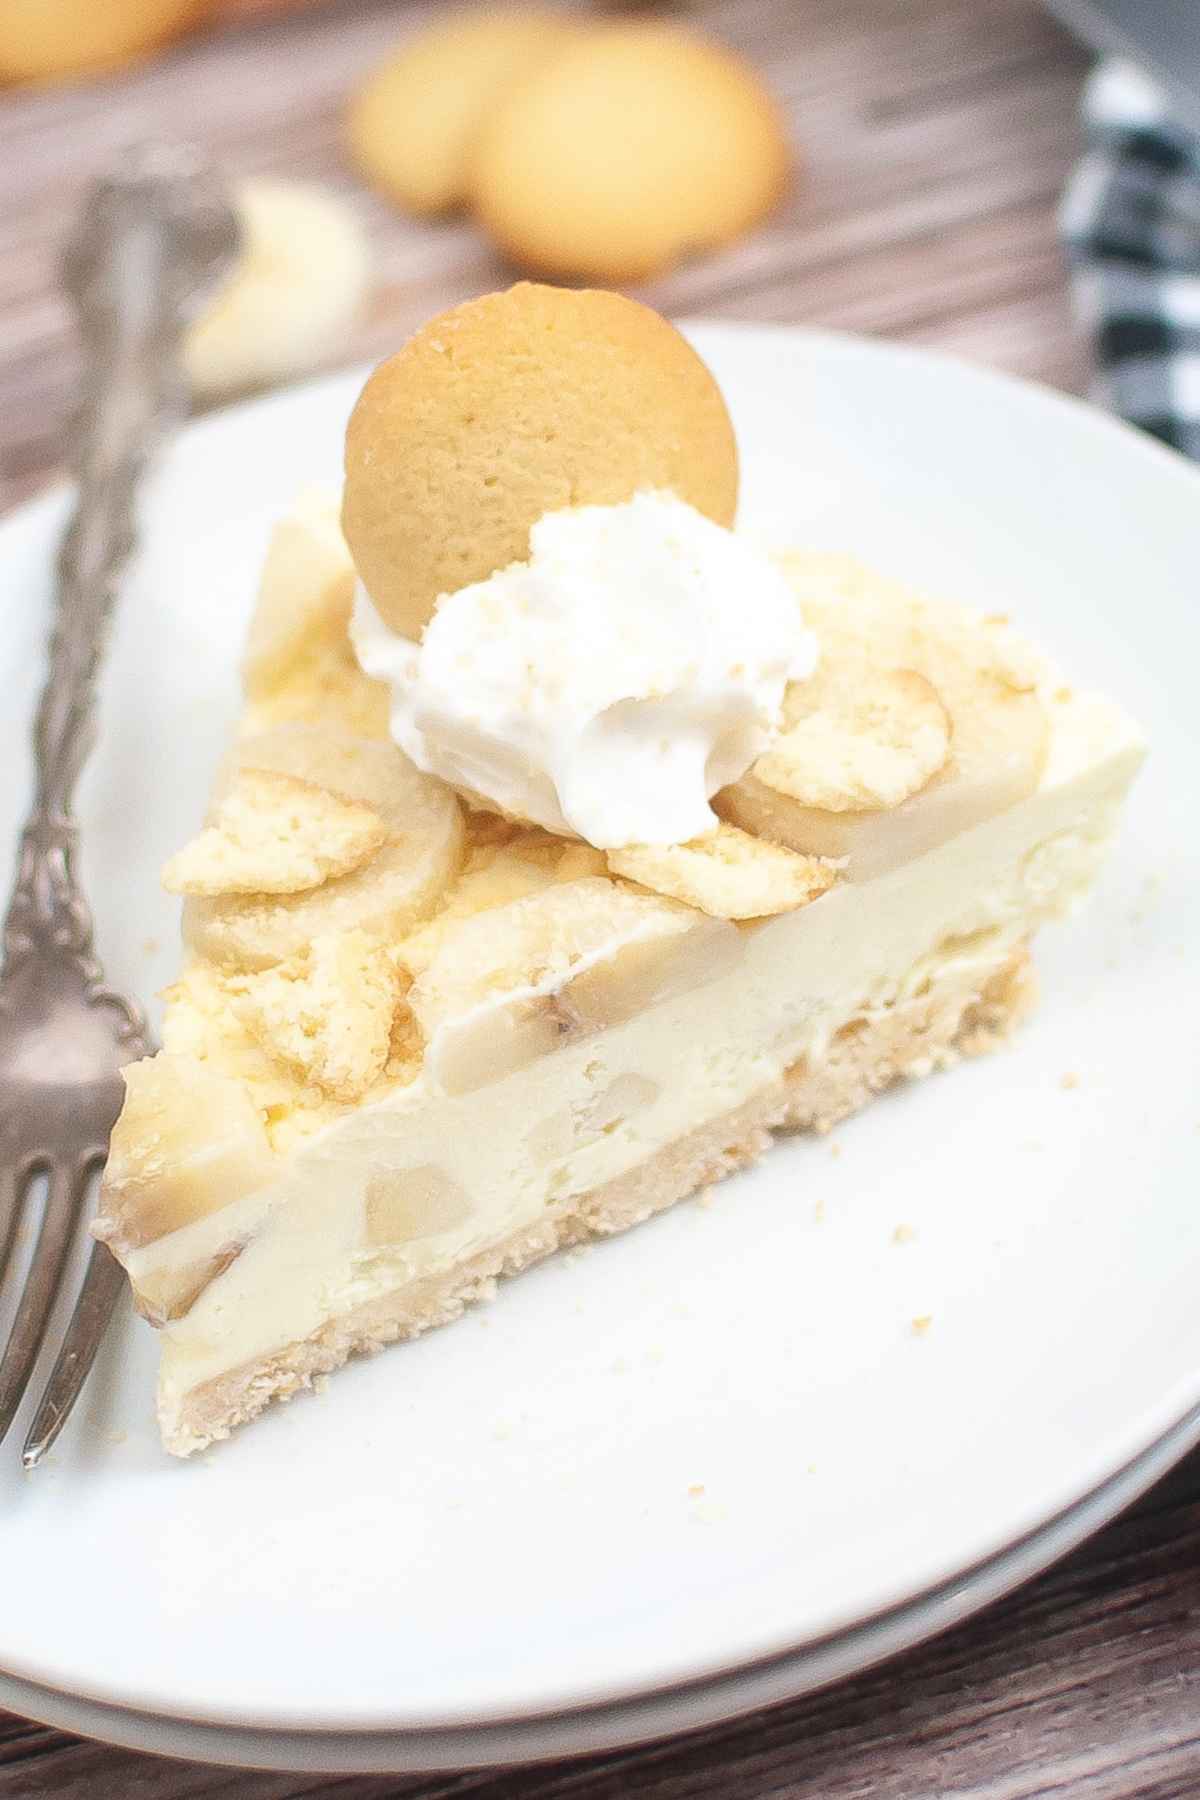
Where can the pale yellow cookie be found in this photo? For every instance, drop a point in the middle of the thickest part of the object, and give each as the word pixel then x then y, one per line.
pixel 512 406
pixel 728 874
pixel 273 834
pixel 327 1011
pixel 412 126
pixel 633 147
pixel 41 40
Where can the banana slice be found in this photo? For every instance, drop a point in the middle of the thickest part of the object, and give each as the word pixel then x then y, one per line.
pixel 520 981
pixel 407 1204
pixel 728 874
pixel 305 591
pixel 299 663
pixel 290 303
pixel 401 884
pixel 583 1121
pixel 169 1291
pixel 494 875
pixel 188 1142
pixel 907 785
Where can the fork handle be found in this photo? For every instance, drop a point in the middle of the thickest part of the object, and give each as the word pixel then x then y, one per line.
pixel 133 393
pixel 149 241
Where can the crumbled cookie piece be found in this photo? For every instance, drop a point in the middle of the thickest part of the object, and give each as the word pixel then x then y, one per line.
pixel 327 1012
pixel 859 739
pixel 275 834
pixel 729 874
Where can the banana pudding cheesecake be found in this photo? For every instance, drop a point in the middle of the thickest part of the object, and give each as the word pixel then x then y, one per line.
pixel 571 845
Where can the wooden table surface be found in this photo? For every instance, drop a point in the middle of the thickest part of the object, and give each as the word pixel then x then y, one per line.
pixel 934 137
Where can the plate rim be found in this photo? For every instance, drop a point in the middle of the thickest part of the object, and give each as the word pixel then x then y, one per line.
pixel 1138 1444
pixel 652 1715
pixel 1079 407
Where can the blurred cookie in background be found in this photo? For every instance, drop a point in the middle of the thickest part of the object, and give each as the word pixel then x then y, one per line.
pixel 606 149
pixel 298 288
pixel 414 125
pixel 254 9
pixel 636 146
pixel 46 40
pixel 57 40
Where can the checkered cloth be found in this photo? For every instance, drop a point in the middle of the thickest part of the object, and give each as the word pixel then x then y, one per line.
pixel 1131 221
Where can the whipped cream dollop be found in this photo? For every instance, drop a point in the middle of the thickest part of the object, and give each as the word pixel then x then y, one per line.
pixel 610 685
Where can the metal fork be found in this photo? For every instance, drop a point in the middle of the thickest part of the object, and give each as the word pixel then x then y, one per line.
pixel 152 240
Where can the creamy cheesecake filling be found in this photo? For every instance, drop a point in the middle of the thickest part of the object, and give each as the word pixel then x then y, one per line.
pixel 457 1173
pixel 393 1073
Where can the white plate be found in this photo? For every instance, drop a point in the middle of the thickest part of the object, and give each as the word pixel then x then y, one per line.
pixel 496 1522
pixel 660 1713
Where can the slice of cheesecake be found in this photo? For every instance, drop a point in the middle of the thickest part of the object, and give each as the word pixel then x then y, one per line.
pixel 416 1046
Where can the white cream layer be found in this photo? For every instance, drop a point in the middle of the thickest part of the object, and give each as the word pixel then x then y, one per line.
pixel 513 1146
pixel 608 686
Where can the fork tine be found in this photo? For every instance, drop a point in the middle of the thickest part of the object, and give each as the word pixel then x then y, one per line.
pixel 102 1287
pixel 15 1186
pixel 64 1192
pixel 13 1183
